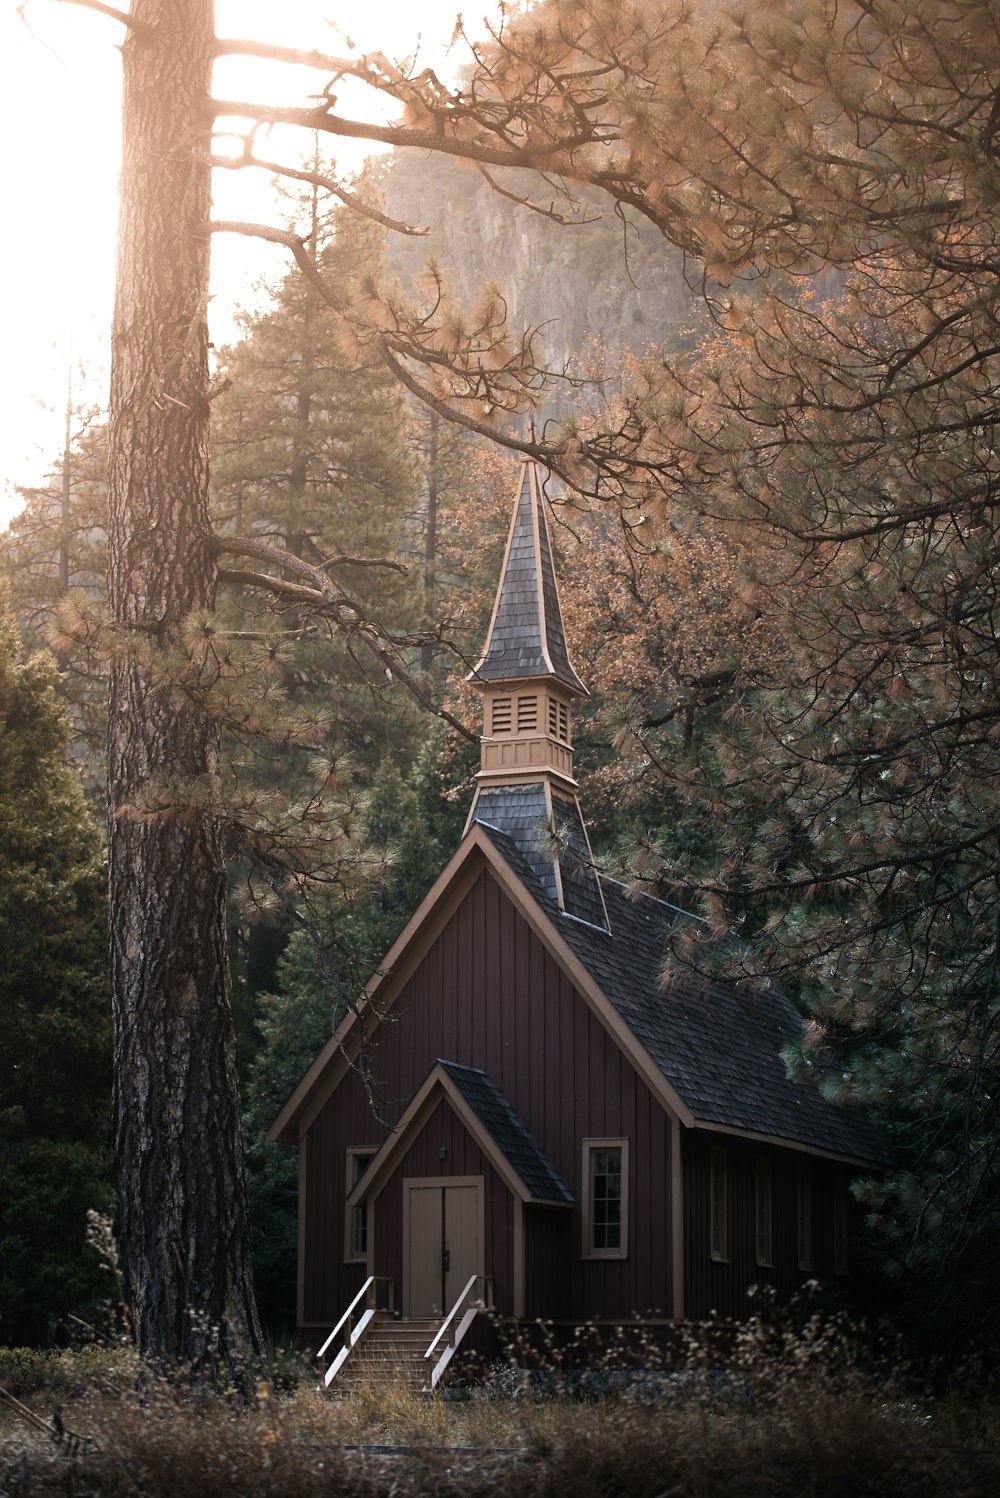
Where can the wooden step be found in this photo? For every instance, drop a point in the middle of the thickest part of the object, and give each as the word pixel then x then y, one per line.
pixel 390 1349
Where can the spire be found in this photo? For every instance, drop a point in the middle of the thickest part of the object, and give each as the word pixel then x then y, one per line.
pixel 526 638
pixel 526 788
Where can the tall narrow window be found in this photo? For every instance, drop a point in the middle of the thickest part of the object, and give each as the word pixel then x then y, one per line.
pixel 356 1218
pixel 840 1256
pixel 763 1229
pixel 718 1194
pixel 803 1217
pixel 605 1198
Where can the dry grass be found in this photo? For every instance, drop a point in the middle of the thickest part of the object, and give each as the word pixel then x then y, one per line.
pixel 803 1416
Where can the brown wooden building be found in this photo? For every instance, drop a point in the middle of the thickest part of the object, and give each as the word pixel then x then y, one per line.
pixel 551 1117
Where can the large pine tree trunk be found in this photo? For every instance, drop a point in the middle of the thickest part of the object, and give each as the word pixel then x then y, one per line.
pixel 179 1145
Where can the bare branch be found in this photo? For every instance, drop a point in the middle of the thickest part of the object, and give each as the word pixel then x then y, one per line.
pixel 138 27
pixel 329 599
pixel 293 242
pixel 551 212
pixel 319 179
pixel 272 52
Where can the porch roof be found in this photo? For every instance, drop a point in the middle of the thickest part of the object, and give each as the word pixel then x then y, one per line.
pixel 511 1149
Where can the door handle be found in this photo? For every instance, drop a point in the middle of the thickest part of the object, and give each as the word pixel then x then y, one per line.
pixel 446 1260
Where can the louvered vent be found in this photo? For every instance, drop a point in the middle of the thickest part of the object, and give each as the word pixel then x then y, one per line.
pixel 501 715
pixel 559 720
pixel 527 714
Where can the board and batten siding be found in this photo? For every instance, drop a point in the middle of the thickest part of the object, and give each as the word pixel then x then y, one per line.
pixel 723 1286
pixel 488 994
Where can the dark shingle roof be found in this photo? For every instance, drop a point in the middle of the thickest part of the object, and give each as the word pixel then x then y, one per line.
pixel 507 1131
pixel 527 637
pixel 581 890
pixel 521 811
pixel 718 1044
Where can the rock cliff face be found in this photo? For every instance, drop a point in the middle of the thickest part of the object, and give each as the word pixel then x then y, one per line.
pixel 597 279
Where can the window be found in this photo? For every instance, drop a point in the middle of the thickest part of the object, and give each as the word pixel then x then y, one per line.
pixel 840 1257
pixel 763 1232
pixel 356 1218
pixel 605 1198
pixel 718 1192
pixel 803 1217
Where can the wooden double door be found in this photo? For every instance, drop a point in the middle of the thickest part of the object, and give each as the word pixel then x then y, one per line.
pixel 443 1233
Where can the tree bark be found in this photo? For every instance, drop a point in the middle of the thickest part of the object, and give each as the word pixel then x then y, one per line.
pixel 177 1121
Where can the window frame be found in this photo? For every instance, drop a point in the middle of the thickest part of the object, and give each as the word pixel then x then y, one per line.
pixel 590 1148
pixel 718 1204
pixel 763 1213
pixel 351 1214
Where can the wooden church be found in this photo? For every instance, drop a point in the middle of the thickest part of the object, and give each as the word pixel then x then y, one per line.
pixel 555 1134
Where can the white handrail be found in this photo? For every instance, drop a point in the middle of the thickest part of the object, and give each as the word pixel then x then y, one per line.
pixel 450 1316
pixel 360 1295
pixel 467 1319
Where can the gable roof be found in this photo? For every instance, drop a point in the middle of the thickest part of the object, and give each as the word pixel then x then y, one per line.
pixel 711 1053
pixel 718 1044
pixel 526 638
pixel 492 1122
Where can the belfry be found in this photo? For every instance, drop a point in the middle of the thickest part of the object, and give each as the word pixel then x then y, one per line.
pixel 525 786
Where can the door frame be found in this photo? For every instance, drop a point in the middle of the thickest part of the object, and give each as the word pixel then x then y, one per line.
pixel 423 1182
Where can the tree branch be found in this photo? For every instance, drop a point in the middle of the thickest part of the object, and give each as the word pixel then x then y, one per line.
pixel 552 155
pixel 139 27
pixel 319 179
pixel 272 52
pixel 329 599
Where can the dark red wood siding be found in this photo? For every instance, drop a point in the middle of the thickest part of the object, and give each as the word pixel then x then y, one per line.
pixel 489 995
pixel 724 1287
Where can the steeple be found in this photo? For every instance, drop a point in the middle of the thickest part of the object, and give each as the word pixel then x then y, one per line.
pixel 526 640
pixel 525 783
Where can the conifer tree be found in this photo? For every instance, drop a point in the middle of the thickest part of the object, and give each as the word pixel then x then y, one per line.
pixel 55 1021
pixel 311 451
pixel 57 543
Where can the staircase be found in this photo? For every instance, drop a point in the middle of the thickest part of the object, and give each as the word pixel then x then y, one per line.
pixel 392 1350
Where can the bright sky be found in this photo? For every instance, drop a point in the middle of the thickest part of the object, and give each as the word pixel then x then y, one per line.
pixel 59 124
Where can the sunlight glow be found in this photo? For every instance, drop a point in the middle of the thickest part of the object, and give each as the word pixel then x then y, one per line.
pixel 59 117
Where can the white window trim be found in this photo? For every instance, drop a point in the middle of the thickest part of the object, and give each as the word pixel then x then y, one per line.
pixel 351 1256
pixel 588 1250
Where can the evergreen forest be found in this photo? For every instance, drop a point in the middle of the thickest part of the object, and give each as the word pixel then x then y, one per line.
pixel 750 331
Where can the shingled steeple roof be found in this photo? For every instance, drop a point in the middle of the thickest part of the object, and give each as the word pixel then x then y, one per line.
pixel 525 787
pixel 526 638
